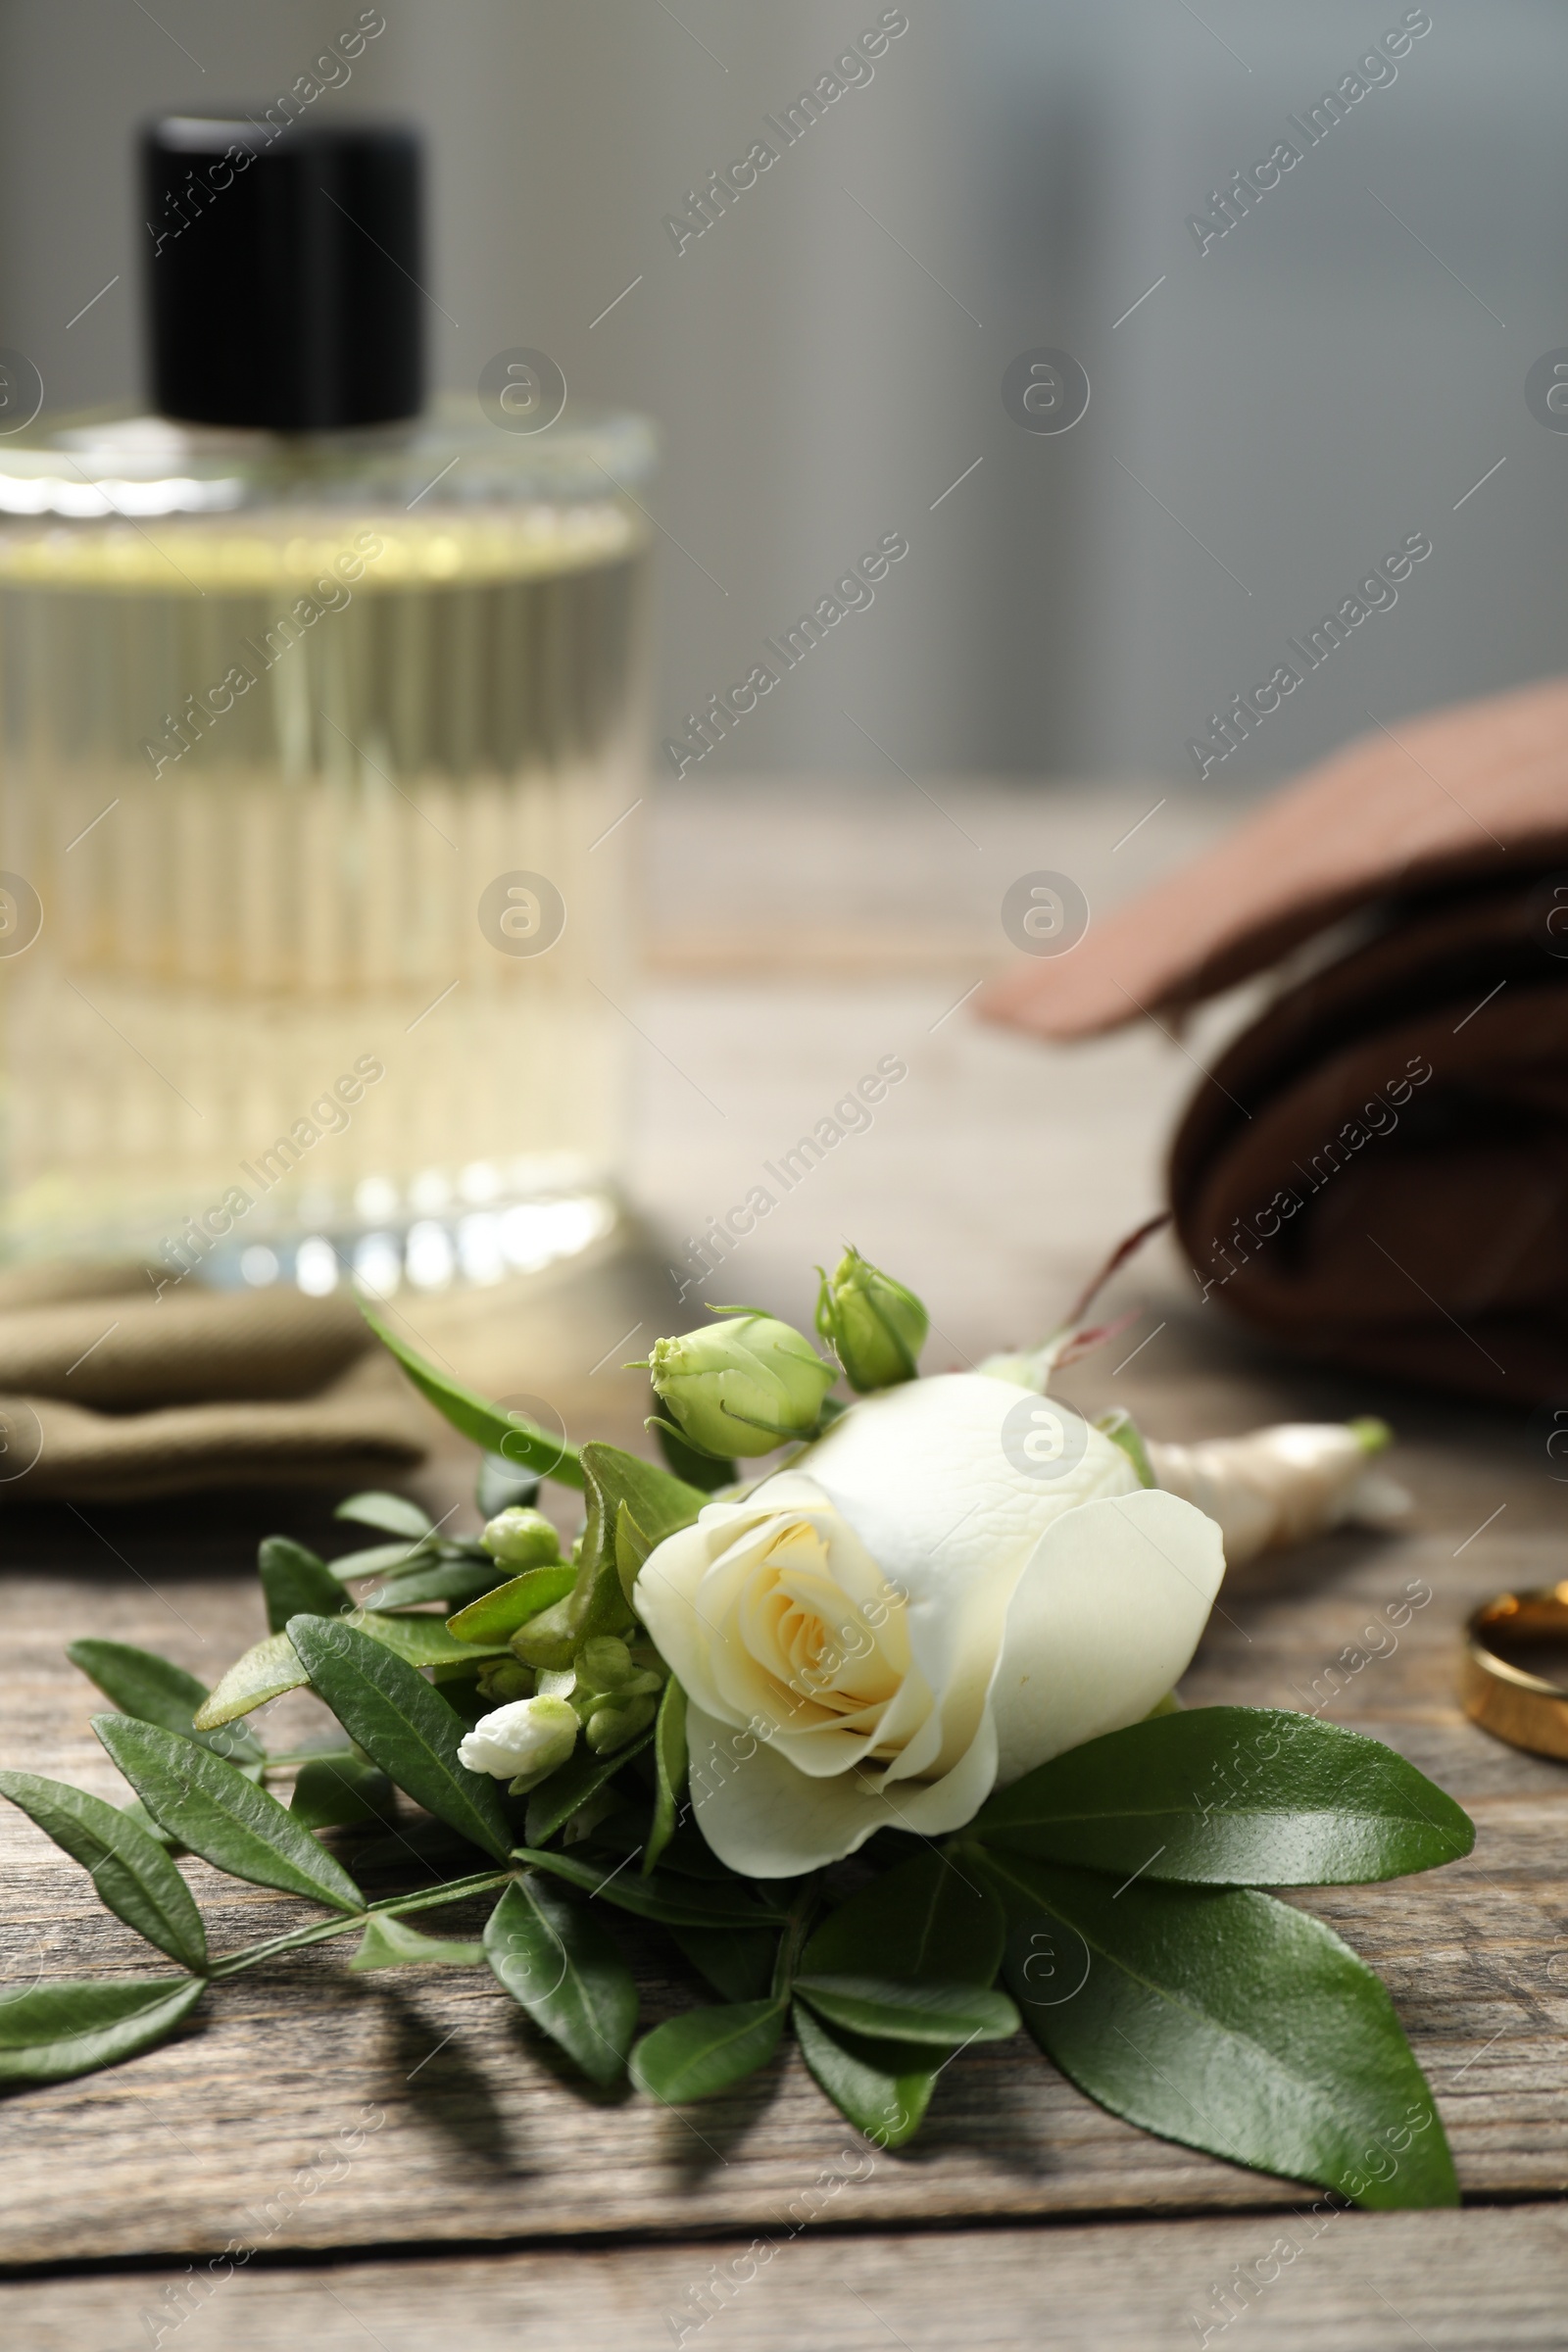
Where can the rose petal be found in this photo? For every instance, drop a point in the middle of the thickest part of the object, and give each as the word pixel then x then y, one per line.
pixel 764 1817
pixel 697 1596
pixel 924 1475
pixel 1104 1621
pixel 667 1596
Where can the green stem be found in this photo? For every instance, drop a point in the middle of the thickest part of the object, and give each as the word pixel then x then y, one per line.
pixel 291 1759
pixel 802 1914
pixel 1123 1431
pixel 393 1905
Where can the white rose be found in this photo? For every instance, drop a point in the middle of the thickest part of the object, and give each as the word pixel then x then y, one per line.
pixel 956 1583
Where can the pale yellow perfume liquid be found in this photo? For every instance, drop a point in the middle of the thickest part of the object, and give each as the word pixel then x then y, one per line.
pixel 269 1027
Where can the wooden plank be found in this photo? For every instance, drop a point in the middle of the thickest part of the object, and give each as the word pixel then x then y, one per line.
pixel 1295 2280
pixel 183 2146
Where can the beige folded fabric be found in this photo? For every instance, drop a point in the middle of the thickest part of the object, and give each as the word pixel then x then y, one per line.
pixel 111 1394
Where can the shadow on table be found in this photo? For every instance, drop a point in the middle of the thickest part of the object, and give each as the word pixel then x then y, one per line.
pixel 444 2087
pixel 696 2140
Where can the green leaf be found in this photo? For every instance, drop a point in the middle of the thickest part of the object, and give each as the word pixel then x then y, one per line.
pixel 391 1711
pixel 657 1502
pixel 273 1666
pixel 497 1615
pixel 222 1816
pixel 935 1917
pixel 1240 1796
pixel 502 1487
pixel 675 1902
pixel 421 1640
pixel 393 1513
pixel 1229 2021
pixel 594 1599
pixel 132 1875
pixel 140 1683
pixel 882 2087
pixel 137 1812
pixel 693 1469
pixel 554 1802
pixel 263 1673
pixel 517 1441
pixel 76 2024
pixel 455 1577
pixel 156 1690
pixel 560 1966
pixel 379 1559
pixel 598 1605
pixel 334 1792
pixel 738 1962
pixel 294 1579
pixel 390 1942
pixel 619 1486
pixel 886 2008
pixel 670 1761
pixel 932 1919
pixel 702 2052
pixel 632 1549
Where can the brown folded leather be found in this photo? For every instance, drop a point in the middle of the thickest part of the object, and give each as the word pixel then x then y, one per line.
pixel 108 1393
pixel 1376 1171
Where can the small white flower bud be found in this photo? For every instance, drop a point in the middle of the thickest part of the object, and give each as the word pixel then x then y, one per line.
pixel 526 1740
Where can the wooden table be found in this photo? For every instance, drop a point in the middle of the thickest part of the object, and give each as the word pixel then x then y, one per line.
pixel 492 2203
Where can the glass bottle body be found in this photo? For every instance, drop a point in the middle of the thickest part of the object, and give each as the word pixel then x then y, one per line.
pixel 316 810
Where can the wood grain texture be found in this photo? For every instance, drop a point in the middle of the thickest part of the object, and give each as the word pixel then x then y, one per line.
pixel 993 1176
pixel 220 2135
pixel 1292 2282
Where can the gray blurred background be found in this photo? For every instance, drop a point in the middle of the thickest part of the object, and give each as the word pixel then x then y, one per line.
pixel 1282 409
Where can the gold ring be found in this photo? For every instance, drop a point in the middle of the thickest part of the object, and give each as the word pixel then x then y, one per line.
pixel 1523 1709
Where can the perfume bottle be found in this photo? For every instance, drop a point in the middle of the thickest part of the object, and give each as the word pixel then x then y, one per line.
pixel 321 720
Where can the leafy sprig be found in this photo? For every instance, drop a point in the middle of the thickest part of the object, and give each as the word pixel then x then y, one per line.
pixel 1115 1904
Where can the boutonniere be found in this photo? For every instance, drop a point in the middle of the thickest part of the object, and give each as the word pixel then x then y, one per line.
pixel 884 1737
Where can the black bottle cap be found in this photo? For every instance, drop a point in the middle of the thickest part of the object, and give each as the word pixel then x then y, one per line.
pixel 283 279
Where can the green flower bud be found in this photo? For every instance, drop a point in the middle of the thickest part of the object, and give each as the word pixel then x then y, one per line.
pixel 603 1673
pixel 499 1681
pixel 588 1700
pixel 610 1726
pixel 603 1663
pixel 521 1539
pixel 876 1327
pixel 741 1386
